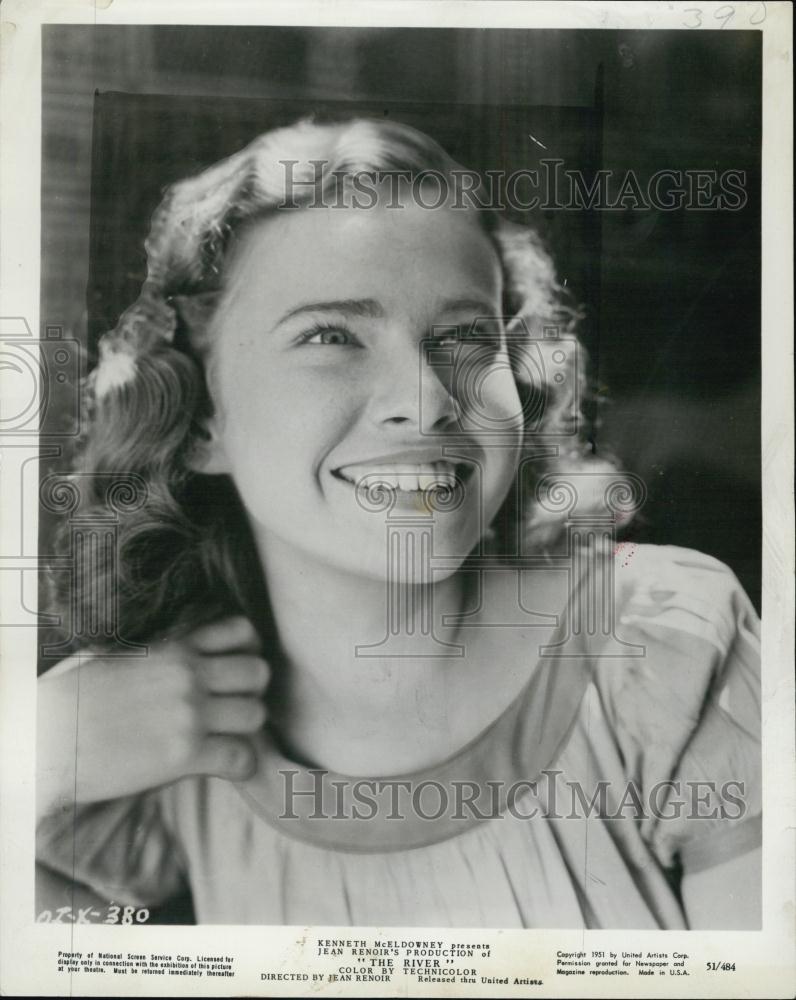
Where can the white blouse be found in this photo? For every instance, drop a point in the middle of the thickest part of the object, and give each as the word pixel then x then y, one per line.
pixel 580 806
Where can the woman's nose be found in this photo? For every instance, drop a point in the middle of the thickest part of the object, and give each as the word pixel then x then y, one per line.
pixel 411 393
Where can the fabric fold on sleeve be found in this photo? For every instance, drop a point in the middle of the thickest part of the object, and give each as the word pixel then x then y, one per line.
pixel 686 714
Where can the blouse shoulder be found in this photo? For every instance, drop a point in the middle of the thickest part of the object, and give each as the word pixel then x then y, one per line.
pixel 684 706
pixel 666 586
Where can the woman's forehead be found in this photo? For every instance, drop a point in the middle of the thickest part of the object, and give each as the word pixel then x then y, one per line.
pixel 389 249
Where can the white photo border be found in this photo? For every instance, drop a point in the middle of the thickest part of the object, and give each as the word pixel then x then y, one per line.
pixel 764 959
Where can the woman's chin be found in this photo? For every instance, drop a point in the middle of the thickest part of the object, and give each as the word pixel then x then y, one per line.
pixel 410 556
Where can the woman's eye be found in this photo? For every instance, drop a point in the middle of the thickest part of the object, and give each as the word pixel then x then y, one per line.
pixel 330 335
pixel 483 332
pixel 449 336
pixel 447 339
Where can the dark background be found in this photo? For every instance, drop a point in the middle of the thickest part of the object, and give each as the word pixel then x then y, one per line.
pixel 672 299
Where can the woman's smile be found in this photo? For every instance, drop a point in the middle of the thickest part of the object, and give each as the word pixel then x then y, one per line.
pixel 404 477
pixel 409 471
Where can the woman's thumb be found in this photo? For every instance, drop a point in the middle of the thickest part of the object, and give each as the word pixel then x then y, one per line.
pixel 230 757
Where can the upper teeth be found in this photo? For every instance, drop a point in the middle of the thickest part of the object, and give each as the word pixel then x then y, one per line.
pixel 403 477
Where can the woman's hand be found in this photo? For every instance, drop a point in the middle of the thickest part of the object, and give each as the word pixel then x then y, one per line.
pixel 109 727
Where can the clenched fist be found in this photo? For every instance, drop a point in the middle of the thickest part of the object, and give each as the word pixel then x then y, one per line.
pixel 109 727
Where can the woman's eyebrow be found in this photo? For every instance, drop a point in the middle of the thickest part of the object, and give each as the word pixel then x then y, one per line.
pixel 374 309
pixel 480 306
pixel 348 307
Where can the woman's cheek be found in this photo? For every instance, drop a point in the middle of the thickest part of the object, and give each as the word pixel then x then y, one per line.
pixel 500 400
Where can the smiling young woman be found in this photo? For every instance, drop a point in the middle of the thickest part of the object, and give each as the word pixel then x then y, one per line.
pixel 284 371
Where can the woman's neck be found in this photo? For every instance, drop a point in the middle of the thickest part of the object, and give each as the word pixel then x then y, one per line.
pixel 357 655
pixel 333 624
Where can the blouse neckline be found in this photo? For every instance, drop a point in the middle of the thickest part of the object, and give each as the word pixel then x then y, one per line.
pixel 433 804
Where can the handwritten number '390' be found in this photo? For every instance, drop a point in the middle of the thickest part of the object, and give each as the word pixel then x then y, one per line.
pixel 724 14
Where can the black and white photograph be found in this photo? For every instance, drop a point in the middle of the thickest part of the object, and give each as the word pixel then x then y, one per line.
pixel 396 476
